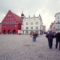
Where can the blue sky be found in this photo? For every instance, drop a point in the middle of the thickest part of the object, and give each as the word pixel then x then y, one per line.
pixel 46 8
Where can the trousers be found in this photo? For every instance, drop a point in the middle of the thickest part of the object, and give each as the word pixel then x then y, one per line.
pixel 34 39
pixel 50 43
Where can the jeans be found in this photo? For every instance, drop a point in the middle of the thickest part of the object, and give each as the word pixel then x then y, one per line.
pixel 34 39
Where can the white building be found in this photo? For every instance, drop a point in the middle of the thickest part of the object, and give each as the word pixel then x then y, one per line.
pixel 57 20
pixel 31 24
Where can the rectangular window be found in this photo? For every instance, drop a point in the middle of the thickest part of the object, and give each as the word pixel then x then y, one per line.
pixel 36 22
pixel 31 27
pixel 6 18
pixel 36 27
pixel 26 23
pixel 26 27
pixel 11 19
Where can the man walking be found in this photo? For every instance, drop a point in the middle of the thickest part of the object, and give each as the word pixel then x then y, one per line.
pixel 50 37
pixel 57 36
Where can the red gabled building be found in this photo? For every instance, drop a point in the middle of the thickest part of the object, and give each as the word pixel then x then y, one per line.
pixel 11 24
pixel 0 28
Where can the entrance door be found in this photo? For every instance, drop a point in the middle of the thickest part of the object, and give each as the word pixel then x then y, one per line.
pixel 4 32
pixel 14 31
pixel 9 32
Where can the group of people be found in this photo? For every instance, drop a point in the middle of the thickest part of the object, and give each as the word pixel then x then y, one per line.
pixel 50 35
pixel 34 35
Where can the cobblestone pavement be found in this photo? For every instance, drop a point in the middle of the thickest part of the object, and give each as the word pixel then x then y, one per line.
pixel 21 47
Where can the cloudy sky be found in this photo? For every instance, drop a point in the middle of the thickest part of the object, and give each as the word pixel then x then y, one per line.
pixel 46 8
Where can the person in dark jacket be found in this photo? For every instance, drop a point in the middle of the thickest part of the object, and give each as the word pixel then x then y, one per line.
pixel 57 36
pixel 35 35
pixel 50 37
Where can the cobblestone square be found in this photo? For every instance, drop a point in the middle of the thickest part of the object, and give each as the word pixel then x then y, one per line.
pixel 21 47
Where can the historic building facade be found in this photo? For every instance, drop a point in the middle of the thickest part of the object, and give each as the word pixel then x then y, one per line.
pixel 52 26
pixel 11 24
pixel 44 29
pixel 57 20
pixel 0 28
pixel 31 24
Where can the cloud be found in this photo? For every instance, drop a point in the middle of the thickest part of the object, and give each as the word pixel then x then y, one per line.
pixel 47 9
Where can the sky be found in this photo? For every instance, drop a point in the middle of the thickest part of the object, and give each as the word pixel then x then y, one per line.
pixel 46 8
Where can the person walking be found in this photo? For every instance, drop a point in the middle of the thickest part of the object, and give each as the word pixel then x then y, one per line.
pixel 31 33
pixel 57 36
pixel 50 37
pixel 34 36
